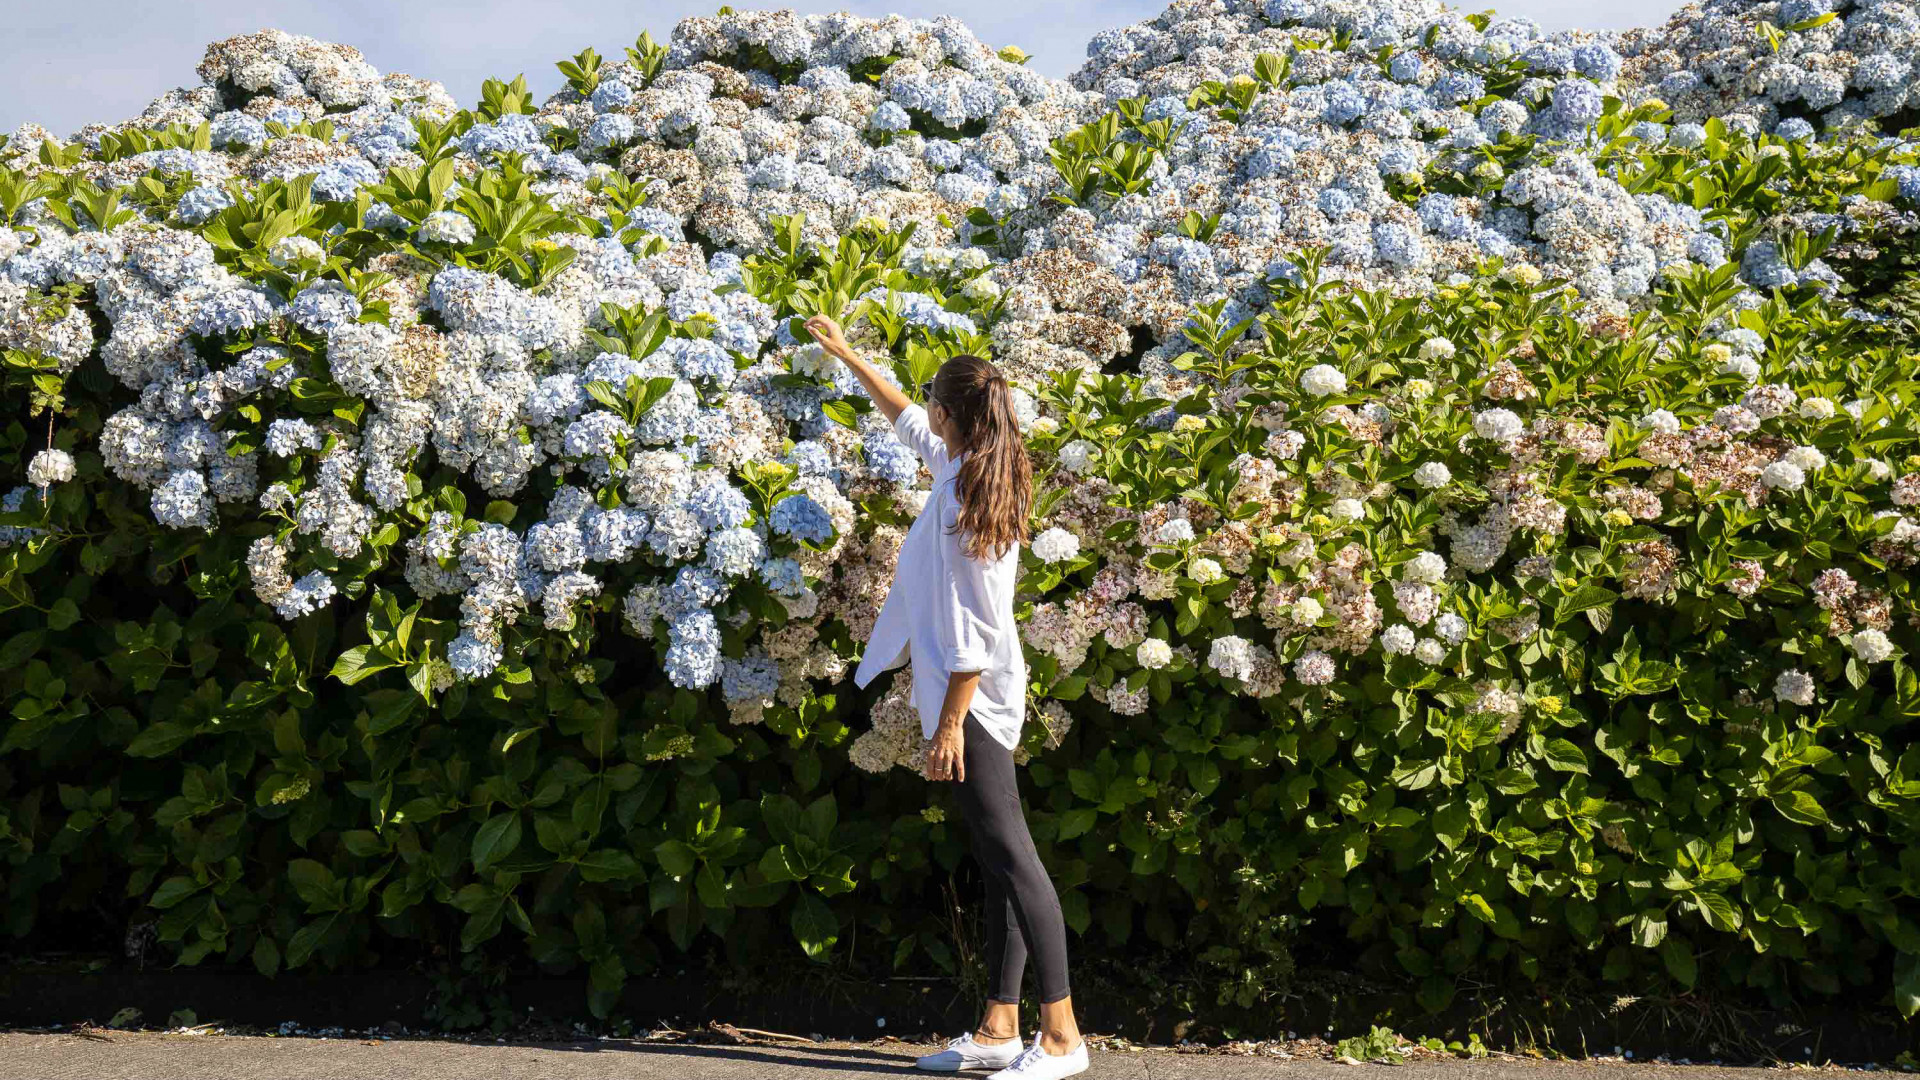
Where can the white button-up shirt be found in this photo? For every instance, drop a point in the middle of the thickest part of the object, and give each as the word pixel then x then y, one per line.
pixel 947 611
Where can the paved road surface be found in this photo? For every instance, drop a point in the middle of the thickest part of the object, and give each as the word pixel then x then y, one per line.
pixel 127 1056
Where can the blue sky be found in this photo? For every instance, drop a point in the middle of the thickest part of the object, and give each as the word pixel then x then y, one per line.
pixel 72 62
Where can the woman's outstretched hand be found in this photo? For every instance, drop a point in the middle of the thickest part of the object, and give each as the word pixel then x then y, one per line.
pixel 946 758
pixel 834 341
pixel 828 334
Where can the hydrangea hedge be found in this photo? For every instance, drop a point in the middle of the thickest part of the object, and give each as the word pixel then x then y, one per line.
pixel 1474 516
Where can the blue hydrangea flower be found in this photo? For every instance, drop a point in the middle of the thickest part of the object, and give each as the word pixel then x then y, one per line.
pixel 889 117
pixel 597 434
pixel 611 94
pixel 472 658
pixel 693 658
pixel 695 588
pixel 751 678
pixel 1793 129
pixel 783 576
pixel 799 517
pixel 1763 266
pixel 1793 11
pixel 1908 177
pixel 339 181
pixel 231 311
pixel 608 131
pixel 702 360
pixel 1687 136
pixel 512 133
pixel 1455 87
pixel 1399 245
pixel 1441 215
pixel 613 535
pixel 1577 103
pixel 1344 103
pixel 941 155
pixel 1677 83
pixel 199 205
pixel 889 458
pixel 1596 61
pixel 725 267
pixel 230 128
pixel 1399 161
pixel 735 552
pixel 810 458
pixel 1706 248
pixel 717 504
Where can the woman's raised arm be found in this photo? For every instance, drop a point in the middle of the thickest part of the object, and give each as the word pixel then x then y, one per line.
pixel 884 394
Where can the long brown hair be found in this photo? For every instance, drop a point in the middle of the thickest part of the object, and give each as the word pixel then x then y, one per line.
pixel 996 479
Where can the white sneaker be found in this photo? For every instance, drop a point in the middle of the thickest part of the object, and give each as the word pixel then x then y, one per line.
pixel 1036 1064
pixel 963 1053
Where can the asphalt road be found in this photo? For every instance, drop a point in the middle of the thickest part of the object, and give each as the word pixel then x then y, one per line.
pixel 139 1056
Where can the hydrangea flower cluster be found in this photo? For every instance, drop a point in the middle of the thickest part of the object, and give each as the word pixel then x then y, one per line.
pixel 1780 67
pixel 355 381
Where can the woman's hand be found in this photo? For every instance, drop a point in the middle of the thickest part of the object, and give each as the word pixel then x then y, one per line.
pixel 829 335
pixel 946 758
pixel 884 394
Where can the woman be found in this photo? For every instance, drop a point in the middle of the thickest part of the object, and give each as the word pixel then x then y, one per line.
pixel 950 611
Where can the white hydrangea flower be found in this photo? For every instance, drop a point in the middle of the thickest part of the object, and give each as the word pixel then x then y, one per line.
pixel 1871 646
pixel 1498 425
pixel 1056 545
pixel 1345 510
pixel 1806 458
pixel 289 250
pixel 1231 656
pixel 50 467
pixel 1662 421
pixel 1314 668
pixel 1432 474
pixel 1794 686
pixel 1398 640
pixel 1173 531
pixel 1426 568
pixel 1323 379
pixel 1075 456
pixel 1154 653
pixel 1783 476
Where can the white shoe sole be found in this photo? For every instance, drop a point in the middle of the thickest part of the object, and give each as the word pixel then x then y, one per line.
pixel 987 1065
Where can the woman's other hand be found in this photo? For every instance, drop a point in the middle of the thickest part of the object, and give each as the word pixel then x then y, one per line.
pixel 946 757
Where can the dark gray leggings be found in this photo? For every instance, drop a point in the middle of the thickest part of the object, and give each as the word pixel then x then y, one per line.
pixel 1023 910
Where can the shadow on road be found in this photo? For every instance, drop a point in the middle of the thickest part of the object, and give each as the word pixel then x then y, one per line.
pixel 840 1059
